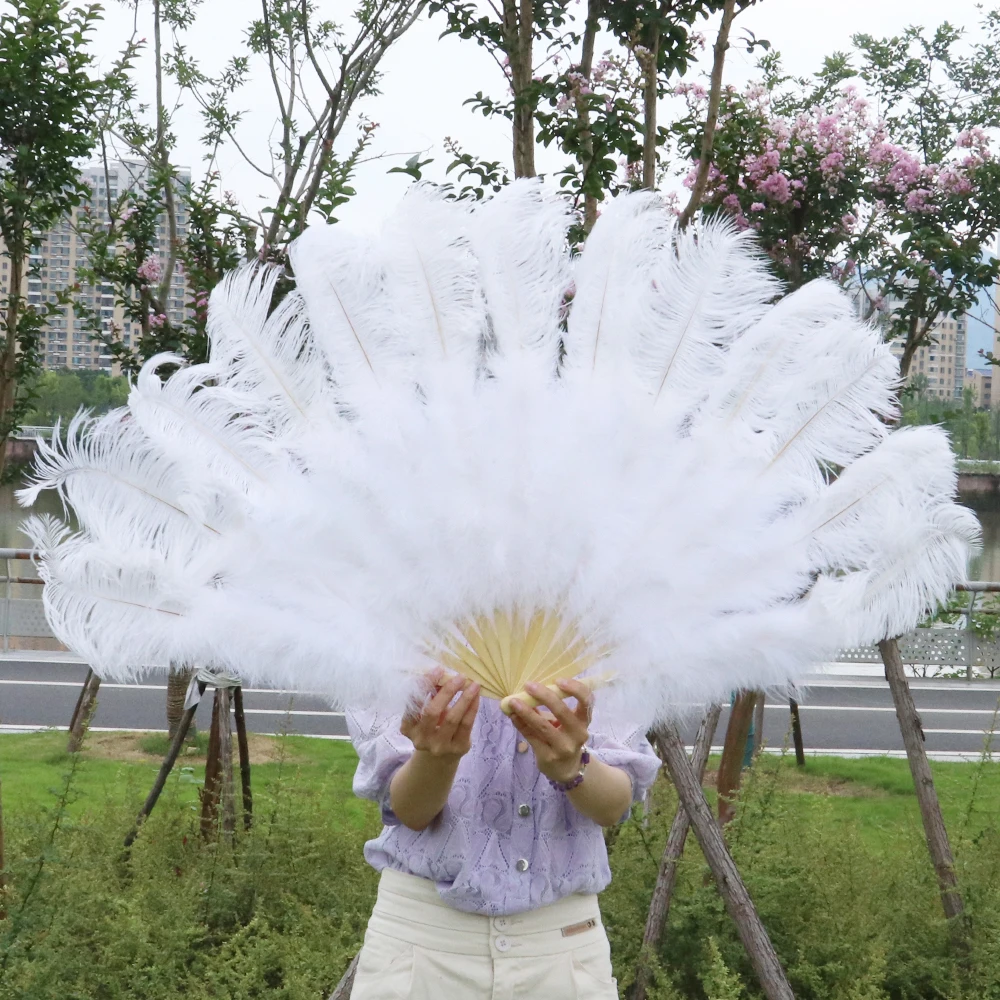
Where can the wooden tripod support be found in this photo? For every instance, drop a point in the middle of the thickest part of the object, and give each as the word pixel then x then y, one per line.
pixel 219 765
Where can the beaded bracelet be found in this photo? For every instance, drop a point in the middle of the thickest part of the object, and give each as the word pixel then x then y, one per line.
pixel 565 786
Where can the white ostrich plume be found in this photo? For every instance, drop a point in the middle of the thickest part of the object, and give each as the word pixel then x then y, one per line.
pixel 457 444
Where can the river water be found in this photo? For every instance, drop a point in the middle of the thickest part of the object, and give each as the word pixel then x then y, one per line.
pixel 985 567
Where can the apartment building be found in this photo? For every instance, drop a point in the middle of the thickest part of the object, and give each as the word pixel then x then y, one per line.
pixel 980 381
pixel 941 363
pixel 60 252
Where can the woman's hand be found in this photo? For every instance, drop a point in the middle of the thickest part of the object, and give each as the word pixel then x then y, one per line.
pixel 558 738
pixel 441 736
pixel 440 730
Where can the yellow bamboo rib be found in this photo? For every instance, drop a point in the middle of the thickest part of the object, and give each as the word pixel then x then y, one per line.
pixel 487 630
pixel 506 649
pixel 542 647
pixel 468 651
pixel 502 624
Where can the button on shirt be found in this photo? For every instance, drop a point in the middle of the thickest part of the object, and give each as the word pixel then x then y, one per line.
pixel 506 841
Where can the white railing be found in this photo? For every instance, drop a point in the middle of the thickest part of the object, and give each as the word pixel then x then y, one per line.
pixel 32 432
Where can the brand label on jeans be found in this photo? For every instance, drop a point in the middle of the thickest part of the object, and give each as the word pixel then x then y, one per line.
pixel 586 925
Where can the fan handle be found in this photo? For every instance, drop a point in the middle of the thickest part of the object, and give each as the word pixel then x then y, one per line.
pixel 592 681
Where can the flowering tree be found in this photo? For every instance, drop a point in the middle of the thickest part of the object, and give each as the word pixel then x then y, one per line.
pixel 49 92
pixel 597 108
pixel 881 176
pixel 319 71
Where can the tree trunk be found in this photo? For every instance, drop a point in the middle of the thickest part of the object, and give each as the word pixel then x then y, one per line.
pixel 712 118
pixel 518 24
pixel 178 680
pixel 650 78
pixel 800 751
pixel 733 751
pixel 659 904
pixel 342 991
pixel 923 781
pixel 86 704
pixel 217 794
pixel 8 361
pixel 731 887
pixel 590 30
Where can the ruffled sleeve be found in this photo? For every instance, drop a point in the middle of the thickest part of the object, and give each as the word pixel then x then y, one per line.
pixel 382 750
pixel 628 749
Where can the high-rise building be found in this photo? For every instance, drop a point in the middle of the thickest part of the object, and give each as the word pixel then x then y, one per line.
pixel 941 363
pixel 60 252
pixel 980 381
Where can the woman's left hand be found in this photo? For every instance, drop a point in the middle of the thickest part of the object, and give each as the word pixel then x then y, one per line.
pixel 558 738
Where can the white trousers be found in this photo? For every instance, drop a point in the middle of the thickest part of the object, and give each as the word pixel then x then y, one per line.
pixel 419 948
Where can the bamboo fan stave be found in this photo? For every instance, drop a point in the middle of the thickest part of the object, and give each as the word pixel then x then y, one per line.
pixel 507 649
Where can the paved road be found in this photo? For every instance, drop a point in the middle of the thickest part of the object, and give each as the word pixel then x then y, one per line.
pixel 840 713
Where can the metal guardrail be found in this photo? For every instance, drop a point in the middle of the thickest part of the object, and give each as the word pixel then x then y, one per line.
pixel 31 432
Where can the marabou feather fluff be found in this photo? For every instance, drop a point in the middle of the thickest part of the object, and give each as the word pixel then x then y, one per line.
pixel 455 443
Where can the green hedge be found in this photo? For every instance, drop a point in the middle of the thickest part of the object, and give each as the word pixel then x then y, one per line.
pixel 834 859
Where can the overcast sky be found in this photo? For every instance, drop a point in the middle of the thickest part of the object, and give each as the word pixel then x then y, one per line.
pixel 427 79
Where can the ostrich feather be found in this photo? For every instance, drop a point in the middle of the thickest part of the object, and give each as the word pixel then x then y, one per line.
pixel 612 279
pixel 110 473
pixel 271 355
pixel 432 282
pixel 691 484
pixel 519 239
pixel 194 421
pixel 710 285
pixel 96 592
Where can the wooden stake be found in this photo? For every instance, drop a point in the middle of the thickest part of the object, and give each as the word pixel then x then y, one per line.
pixel 923 781
pixel 731 887
pixel 217 794
pixel 165 768
pixel 733 751
pixel 758 722
pixel 84 711
pixel 209 794
pixel 800 753
pixel 666 878
pixel 342 991
pixel 241 739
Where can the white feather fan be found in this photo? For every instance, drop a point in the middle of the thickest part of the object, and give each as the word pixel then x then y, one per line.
pixel 416 458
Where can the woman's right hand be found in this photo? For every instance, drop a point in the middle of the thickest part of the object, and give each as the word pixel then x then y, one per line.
pixel 440 730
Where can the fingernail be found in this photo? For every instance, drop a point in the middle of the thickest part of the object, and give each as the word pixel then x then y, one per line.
pixel 516 703
pixel 531 687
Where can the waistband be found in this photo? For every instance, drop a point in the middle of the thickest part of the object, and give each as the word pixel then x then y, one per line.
pixel 408 908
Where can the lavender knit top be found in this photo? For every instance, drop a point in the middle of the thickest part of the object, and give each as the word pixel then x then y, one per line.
pixel 506 841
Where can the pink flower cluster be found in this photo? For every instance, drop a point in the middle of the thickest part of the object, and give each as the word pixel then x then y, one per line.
pixel 157 320
pixel 841 152
pixel 149 271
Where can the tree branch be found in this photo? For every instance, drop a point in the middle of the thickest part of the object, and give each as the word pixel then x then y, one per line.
pixel 714 99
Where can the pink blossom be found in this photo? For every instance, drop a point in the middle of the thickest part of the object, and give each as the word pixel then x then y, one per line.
pixel 149 271
pixel 918 201
pixel 953 181
pixel 848 221
pixel 731 202
pixel 776 186
pixel 832 165
pixel 757 206
pixel 157 320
